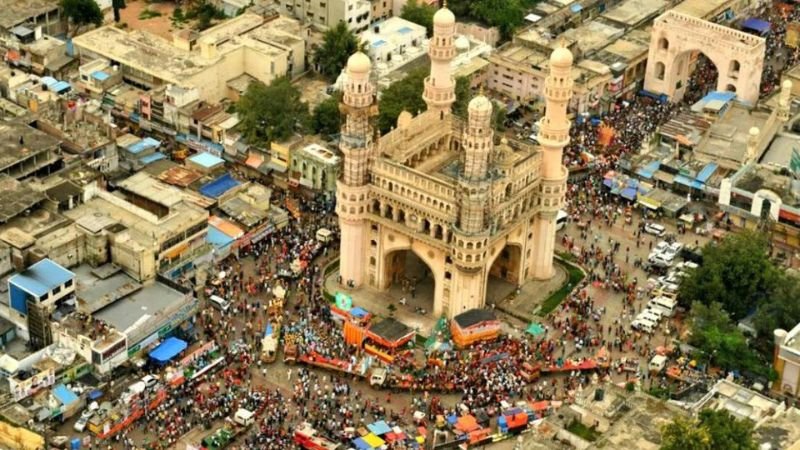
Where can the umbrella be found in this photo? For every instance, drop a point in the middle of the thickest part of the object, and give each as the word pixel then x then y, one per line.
pixel 535 329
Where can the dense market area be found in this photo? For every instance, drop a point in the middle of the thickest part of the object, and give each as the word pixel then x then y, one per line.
pixel 212 302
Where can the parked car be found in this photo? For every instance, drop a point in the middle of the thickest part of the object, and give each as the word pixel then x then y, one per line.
pixel 655 229
pixel 80 424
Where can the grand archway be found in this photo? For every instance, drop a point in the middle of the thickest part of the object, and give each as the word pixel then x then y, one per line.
pixel 408 276
pixel 505 273
pixel 676 37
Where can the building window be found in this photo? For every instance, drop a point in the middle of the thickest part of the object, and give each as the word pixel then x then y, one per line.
pixel 57 290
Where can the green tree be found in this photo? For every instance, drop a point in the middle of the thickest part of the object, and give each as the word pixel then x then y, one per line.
pixel 736 273
pixel 463 96
pixel 327 119
pixel 711 430
pixel 82 12
pixel 506 15
pixel 271 113
pixel 420 14
pixel 338 44
pixel 499 118
pixel 721 342
pixel 402 95
pixel 781 309
pixel 727 431
pixel 117 5
pixel 685 434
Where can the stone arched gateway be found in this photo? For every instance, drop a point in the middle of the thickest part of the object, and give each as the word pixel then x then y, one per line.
pixel 738 56
pixel 774 200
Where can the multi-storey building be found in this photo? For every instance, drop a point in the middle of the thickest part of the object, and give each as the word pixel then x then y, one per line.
pixel 439 188
pixel 327 13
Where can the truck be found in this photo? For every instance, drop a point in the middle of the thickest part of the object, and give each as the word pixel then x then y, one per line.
pixel 377 377
pixel 269 343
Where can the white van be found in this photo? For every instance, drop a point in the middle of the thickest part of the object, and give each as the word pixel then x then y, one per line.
pixel 659 311
pixel 561 219
pixel 666 303
pixel 642 324
pixel 324 235
pixel 219 303
pixel 657 363
pixel 646 314
pixel 244 417
pixel 655 229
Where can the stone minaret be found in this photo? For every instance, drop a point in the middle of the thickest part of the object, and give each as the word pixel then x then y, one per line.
pixel 477 147
pixel 356 145
pixel 553 137
pixel 440 87
pixel 471 235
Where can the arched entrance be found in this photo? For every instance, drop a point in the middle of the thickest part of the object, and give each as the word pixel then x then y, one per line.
pixel 505 273
pixel 702 73
pixel 676 38
pixel 408 276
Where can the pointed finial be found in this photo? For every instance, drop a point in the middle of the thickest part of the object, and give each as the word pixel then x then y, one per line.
pixel 480 89
pixel 562 42
pixel 444 4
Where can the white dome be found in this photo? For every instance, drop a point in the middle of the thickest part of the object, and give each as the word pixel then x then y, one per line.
pixel 480 104
pixel 462 43
pixel 561 57
pixel 444 17
pixel 358 63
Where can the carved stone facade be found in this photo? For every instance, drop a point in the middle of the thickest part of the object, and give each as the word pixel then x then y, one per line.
pixel 675 40
pixel 439 186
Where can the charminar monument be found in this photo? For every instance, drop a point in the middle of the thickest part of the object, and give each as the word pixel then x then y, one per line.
pixel 439 188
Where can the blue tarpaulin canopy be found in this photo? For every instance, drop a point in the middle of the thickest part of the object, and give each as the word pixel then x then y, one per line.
pixel 361 444
pixel 217 238
pixel 151 158
pixel 757 25
pixel 64 395
pixel 359 312
pixel 219 186
pixel 142 145
pixel 95 394
pixel 648 170
pixel 59 87
pixel 380 427
pixel 168 350
pixel 629 193
pixel 576 8
pixel 684 180
pixel 706 173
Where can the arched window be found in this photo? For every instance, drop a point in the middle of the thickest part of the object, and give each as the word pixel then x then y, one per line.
pixel 663 44
pixel 730 88
pixel 660 70
pixel 733 71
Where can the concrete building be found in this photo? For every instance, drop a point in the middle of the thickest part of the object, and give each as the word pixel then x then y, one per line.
pixel 315 167
pixel 323 14
pixel 265 49
pixel 787 362
pixel 117 317
pixel 30 14
pixel 145 229
pixel 422 192
pixel 26 151
pixel 35 294
pixel 393 39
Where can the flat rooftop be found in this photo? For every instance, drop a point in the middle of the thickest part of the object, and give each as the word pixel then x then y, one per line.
pixel 779 152
pixel 727 142
pixel 631 12
pixel 762 177
pixel 98 288
pixel 160 58
pixel 593 35
pixel 702 9
pixel 14 12
pixel 21 142
pixel 151 300
pixel 16 198
pixel 99 213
